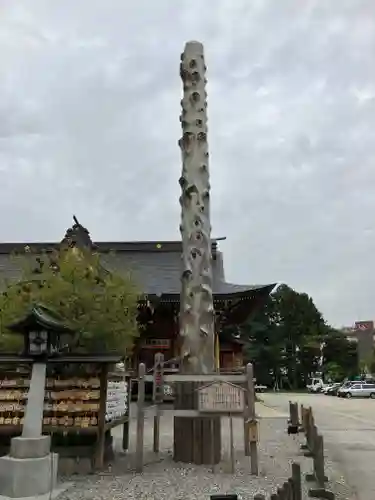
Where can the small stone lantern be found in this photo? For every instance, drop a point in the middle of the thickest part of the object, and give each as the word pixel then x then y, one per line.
pixel 30 456
pixel 42 330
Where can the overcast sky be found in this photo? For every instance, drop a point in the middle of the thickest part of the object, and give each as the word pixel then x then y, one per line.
pixel 89 122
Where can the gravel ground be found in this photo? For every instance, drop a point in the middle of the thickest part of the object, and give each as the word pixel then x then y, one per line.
pixel 163 479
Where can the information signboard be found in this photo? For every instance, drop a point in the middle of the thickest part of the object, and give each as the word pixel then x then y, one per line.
pixel 221 397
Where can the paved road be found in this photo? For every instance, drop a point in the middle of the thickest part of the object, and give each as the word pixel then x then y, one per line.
pixel 348 427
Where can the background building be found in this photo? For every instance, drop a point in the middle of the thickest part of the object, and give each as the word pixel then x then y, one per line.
pixel 364 335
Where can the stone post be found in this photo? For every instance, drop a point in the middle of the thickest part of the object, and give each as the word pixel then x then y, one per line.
pixel 30 469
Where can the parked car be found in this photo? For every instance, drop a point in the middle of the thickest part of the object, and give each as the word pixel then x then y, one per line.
pixel 334 389
pixel 357 390
pixel 260 388
pixel 345 385
pixel 331 390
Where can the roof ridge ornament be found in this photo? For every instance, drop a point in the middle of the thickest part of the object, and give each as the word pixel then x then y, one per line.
pixel 77 236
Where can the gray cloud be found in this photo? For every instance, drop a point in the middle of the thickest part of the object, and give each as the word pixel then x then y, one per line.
pixel 89 106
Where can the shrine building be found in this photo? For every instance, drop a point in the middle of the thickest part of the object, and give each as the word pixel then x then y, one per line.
pixel 156 270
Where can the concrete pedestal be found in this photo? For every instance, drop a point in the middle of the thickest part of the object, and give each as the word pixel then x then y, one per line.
pixel 30 447
pixel 30 469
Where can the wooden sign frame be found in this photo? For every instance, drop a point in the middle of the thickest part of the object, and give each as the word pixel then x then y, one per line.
pixel 221 407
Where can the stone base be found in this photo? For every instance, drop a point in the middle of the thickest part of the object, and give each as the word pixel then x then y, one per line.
pixel 29 447
pixel 27 477
pixel 47 496
pixel 321 493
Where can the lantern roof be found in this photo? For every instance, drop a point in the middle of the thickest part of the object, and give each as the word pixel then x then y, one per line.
pixel 40 317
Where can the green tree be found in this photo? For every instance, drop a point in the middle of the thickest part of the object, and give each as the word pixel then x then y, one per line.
pixel 283 340
pixel 304 329
pixel 340 356
pixel 334 372
pixel 100 306
pixel 263 345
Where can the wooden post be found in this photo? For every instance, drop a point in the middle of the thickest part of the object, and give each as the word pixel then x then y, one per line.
pixel 197 317
pixel 125 427
pixel 99 451
pixel 140 418
pixel 309 432
pixel 196 440
pixel 321 478
pixel 313 433
pixel 232 461
pixel 125 435
pixel 212 432
pixel 281 493
pixel 293 424
pixel 296 477
pixel 287 490
pixel 246 421
pixel 319 474
pixel 156 440
pixel 303 417
pixel 291 489
pixel 290 411
pixel 251 424
pixel 158 396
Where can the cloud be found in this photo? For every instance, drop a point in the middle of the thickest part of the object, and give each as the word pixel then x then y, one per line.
pixel 89 107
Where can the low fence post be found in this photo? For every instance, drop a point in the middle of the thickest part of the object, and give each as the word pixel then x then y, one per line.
pixel 291 489
pixel 297 482
pixel 125 427
pixel 319 471
pixel 140 418
pixel 251 425
pixel 301 428
pixel 313 434
pixel 315 449
pixel 308 425
pixel 305 411
pixel 285 491
pixel 158 397
pixel 293 424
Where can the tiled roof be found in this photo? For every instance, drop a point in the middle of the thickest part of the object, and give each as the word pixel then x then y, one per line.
pixel 154 265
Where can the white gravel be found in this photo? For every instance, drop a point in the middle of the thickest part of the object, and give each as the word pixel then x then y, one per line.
pixel 163 479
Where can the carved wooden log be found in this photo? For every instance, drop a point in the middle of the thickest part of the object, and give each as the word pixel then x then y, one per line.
pixel 196 440
pixel 197 310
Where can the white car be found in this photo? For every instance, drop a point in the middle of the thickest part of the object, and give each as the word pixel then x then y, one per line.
pixel 260 388
pixel 327 388
pixel 357 390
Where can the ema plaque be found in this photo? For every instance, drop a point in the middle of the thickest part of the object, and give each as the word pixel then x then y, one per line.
pixel 221 397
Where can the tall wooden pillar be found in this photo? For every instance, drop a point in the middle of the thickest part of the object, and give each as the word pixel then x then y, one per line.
pixel 196 440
